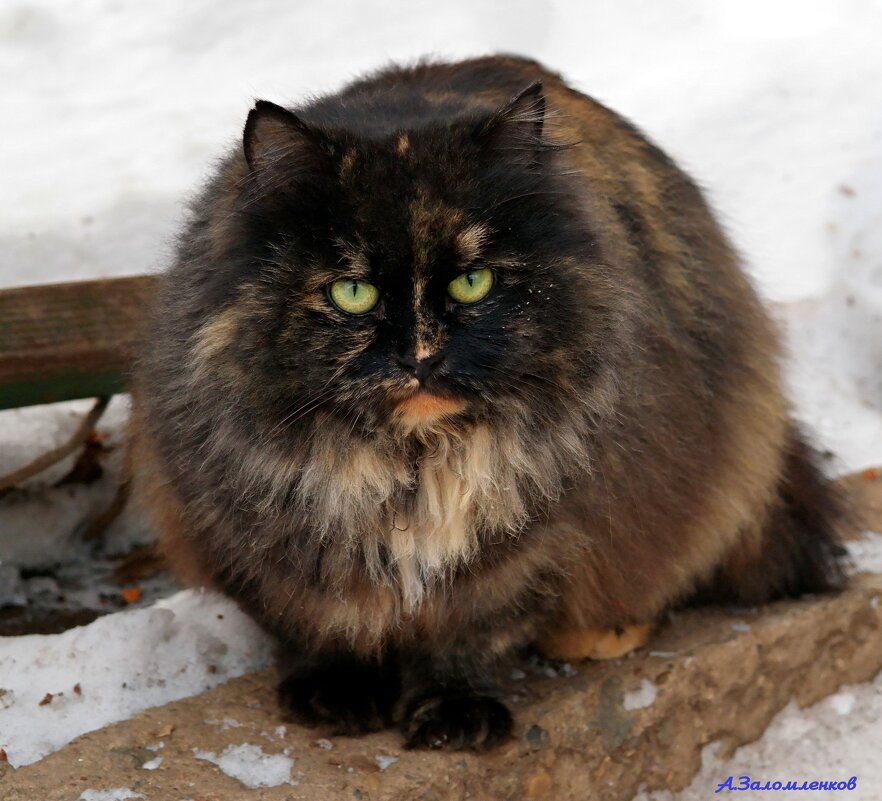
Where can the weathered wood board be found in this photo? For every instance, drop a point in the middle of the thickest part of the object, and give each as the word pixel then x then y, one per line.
pixel 64 341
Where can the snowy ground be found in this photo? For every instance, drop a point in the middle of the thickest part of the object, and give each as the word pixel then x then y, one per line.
pixel 115 111
pixel 832 741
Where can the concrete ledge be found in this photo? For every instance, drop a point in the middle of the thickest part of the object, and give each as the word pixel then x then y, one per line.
pixel 601 734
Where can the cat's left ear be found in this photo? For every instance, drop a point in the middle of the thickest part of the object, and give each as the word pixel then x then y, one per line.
pixel 518 125
pixel 275 135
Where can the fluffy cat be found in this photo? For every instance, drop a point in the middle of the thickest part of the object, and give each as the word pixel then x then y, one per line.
pixel 456 362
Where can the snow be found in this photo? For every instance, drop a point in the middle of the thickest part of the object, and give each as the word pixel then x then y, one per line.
pixel 226 723
pixel 640 698
pixel 866 553
pixel 117 111
pixel 124 663
pixel 842 703
pixel 250 765
pixel 384 761
pixel 118 794
pixel 833 740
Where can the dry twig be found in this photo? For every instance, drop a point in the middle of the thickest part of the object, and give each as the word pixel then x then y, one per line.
pixel 46 460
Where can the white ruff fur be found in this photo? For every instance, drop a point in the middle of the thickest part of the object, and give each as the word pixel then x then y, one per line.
pixel 362 495
pixel 428 517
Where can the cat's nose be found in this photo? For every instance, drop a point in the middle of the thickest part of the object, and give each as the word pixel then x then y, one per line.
pixel 421 368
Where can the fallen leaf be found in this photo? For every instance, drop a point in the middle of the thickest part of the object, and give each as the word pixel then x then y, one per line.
pixel 131 595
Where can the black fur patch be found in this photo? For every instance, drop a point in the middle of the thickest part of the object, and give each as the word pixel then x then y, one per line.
pixel 340 692
pixel 455 722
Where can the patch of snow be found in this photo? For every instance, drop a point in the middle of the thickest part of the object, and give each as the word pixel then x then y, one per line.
pixel 866 553
pixel 385 761
pixel 250 765
pixel 226 723
pixel 640 698
pixel 152 764
pixel 24 434
pixel 124 663
pixel 835 739
pixel 119 794
pixel 843 703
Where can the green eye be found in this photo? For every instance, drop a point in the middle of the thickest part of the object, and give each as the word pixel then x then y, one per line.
pixel 471 287
pixel 354 296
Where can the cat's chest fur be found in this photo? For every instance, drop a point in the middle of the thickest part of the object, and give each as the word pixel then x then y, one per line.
pixel 417 516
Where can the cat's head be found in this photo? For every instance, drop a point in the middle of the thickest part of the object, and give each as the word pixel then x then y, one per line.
pixel 403 268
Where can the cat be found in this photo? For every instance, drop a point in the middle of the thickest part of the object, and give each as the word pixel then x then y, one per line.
pixel 454 363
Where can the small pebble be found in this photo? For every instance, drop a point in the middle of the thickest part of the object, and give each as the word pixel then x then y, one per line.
pixel 536 736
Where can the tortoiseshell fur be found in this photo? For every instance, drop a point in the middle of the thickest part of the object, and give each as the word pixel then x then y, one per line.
pixel 616 437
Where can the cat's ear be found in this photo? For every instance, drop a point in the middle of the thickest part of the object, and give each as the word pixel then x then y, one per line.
pixel 275 135
pixel 517 126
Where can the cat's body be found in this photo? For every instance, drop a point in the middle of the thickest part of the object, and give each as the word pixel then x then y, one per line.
pixel 407 495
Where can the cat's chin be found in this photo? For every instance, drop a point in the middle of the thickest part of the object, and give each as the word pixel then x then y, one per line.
pixel 423 409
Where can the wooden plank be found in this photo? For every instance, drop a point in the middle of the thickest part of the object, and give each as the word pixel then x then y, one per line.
pixel 65 341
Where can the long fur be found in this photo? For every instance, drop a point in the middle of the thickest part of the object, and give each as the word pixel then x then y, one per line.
pixel 606 436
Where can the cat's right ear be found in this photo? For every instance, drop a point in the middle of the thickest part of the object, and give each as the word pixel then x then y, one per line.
pixel 517 126
pixel 273 135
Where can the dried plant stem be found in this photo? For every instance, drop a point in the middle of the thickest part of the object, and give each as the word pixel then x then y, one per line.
pixel 46 460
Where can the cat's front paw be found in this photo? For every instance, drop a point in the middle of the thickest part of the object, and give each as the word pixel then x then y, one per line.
pixel 457 722
pixel 348 697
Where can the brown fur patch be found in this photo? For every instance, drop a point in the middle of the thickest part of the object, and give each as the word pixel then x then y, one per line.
pixel 157 499
pixel 218 334
pixel 470 241
pixel 356 260
pixel 347 163
pixel 431 222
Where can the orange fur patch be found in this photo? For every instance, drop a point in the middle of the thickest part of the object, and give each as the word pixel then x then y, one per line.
pixel 594 643
pixel 422 351
pixel 426 407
